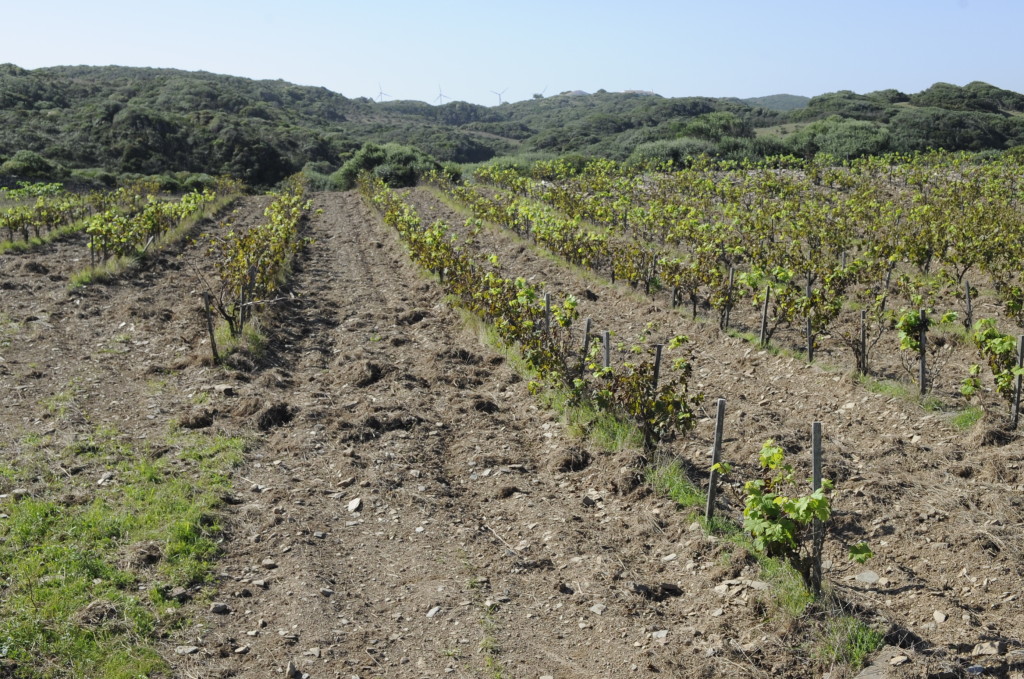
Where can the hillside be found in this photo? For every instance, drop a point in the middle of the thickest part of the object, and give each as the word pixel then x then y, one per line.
pixel 93 124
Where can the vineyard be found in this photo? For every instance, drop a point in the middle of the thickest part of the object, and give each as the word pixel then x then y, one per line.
pixel 467 429
pixel 807 245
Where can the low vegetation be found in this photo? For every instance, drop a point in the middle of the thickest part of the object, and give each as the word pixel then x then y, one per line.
pixel 91 582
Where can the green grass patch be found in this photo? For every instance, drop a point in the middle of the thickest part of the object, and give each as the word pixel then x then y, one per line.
pixel 721 526
pixel 156 386
pixel 60 404
pixel 103 272
pixel 489 646
pixel 952 331
pixel 773 349
pixel 890 388
pixel 751 337
pixel 903 392
pixel 611 433
pixel 586 421
pixel 251 341
pixel 789 593
pixel 670 480
pixel 8 329
pixel 77 600
pixel 18 246
pixel 34 441
pixel 967 418
pixel 849 641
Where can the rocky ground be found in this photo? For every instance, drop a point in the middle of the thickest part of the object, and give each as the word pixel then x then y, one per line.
pixel 407 509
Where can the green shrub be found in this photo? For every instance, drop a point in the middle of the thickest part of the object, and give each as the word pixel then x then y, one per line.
pixel 168 183
pixel 94 176
pixel 679 151
pixel 198 182
pixel 522 162
pixel 317 175
pixel 397 165
pixel 31 165
pixel 453 171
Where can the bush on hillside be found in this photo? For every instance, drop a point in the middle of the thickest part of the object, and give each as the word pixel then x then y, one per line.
pixel 678 151
pixel 30 165
pixel 839 137
pixel 397 165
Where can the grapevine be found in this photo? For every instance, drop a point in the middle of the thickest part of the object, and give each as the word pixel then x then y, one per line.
pixel 251 266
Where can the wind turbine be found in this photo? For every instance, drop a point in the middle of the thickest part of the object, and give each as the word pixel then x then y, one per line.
pixel 499 94
pixel 441 96
pixel 381 93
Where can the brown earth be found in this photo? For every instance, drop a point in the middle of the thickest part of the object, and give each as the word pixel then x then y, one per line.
pixel 407 509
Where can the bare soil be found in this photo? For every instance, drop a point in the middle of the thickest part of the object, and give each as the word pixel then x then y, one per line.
pixel 408 509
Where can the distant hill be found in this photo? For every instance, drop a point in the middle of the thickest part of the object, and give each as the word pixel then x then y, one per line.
pixel 96 123
pixel 152 121
pixel 778 102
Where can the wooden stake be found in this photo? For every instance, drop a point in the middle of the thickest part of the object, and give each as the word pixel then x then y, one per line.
pixel 1016 392
pixel 969 321
pixel 764 316
pixel 716 457
pixel 728 298
pixel 586 346
pixel 810 327
pixel 241 309
pixel 922 370
pixel 607 349
pixel 657 366
pixel 815 455
pixel 818 527
pixel 209 326
pixel 809 331
pixel 864 342
pixel 547 313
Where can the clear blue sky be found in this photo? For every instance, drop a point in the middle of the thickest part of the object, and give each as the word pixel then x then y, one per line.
pixel 741 48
